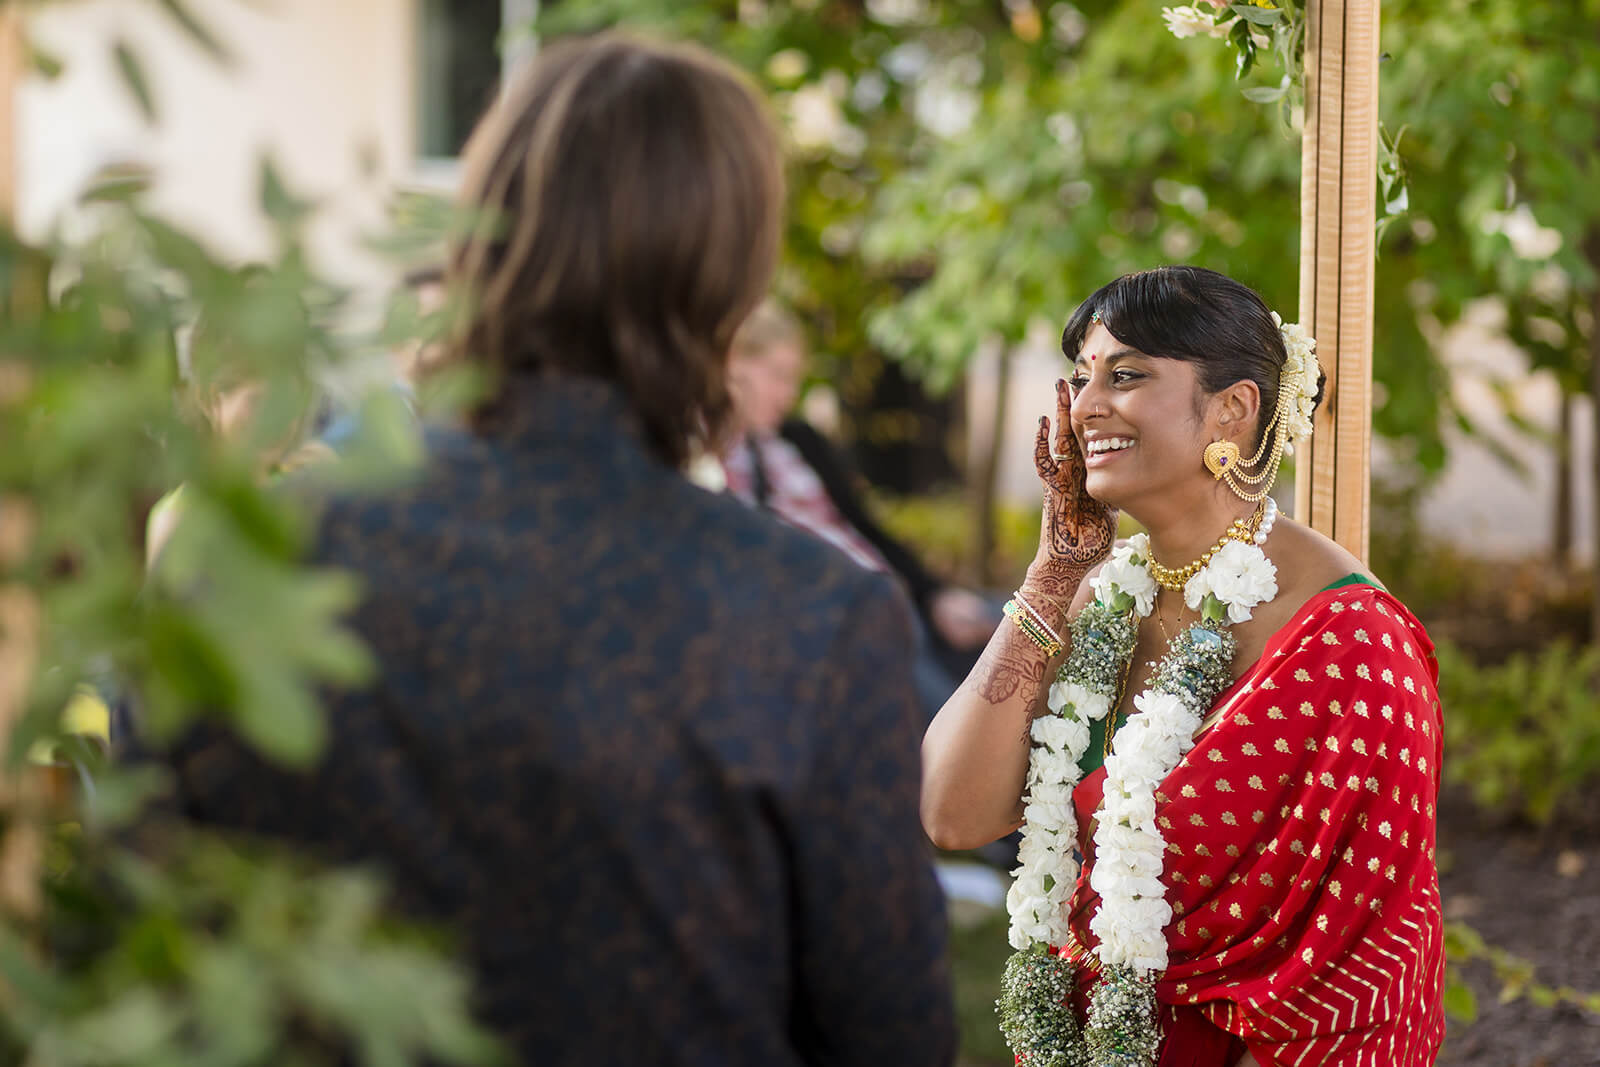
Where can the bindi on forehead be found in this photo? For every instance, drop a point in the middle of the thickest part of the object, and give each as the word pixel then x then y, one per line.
pixel 1115 355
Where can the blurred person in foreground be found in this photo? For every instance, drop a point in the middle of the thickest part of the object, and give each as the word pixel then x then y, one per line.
pixel 1235 726
pixel 653 757
pixel 779 463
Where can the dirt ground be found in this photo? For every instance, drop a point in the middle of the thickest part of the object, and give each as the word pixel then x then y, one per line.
pixel 1537 894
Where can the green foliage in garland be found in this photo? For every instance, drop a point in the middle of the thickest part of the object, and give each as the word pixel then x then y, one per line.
pixel 1037 1024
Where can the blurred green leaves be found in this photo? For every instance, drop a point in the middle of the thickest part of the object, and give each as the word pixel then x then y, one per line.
pixel 233 957
pixel 1513 974
pixel 136 364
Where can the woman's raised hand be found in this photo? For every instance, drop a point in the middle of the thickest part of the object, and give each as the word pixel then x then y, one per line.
pixel 1077 530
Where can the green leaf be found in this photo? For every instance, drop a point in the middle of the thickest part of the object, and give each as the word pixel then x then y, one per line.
pixel 290 731
pixel 43 63
pixel 277 203
pixel 133 77
pixel 197 31
pixel 1241 40
pixel 116 186
pixel 120 796
pixel 1260 16
pixel 1459 1001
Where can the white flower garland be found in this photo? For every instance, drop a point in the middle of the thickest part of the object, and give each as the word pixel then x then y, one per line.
pixel 1129 849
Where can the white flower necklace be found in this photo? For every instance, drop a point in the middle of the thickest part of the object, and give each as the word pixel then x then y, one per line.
pixel 1130 924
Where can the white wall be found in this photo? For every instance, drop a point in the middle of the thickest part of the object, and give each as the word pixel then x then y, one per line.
pixel 314 82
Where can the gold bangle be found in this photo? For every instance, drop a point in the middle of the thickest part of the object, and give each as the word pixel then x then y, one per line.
pixel 1039 619
pixel 1030 629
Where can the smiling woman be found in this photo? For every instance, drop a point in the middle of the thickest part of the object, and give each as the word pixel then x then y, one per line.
pixel 1234 729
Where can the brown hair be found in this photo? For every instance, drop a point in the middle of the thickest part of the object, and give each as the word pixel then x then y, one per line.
pixel 629 196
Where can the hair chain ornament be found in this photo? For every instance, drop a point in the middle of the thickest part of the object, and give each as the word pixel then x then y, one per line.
pixel 1252 479
pixel 1123 1027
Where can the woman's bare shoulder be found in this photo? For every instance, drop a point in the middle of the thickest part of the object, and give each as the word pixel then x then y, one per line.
pixel 1308 562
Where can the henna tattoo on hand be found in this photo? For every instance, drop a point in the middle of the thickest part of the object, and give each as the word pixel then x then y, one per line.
pixel 1050 590
pixel 1077 530
pixel 1008 664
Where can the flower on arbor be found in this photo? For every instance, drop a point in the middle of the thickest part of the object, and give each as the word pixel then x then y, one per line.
pixel 1194 21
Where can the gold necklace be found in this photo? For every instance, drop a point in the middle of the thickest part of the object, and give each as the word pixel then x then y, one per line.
pixel 1175 578
pixel 1166 638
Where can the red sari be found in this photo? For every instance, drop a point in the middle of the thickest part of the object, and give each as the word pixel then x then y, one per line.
pixel 1300 852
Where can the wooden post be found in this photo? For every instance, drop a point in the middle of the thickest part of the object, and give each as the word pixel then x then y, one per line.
pixel 19 607
pixel 1338 219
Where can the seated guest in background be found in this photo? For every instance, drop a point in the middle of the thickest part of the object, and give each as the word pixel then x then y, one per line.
pixel 780 463
pixel 653 757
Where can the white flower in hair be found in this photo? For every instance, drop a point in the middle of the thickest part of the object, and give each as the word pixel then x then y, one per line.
pixel 1297 387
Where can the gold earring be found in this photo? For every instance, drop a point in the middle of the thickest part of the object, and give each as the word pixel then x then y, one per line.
pixel 1220 457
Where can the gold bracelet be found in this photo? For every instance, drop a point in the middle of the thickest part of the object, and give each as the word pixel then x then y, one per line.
pixel 1037 618
pixel 1031 630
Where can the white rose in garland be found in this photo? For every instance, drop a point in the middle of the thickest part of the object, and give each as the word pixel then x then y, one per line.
pixel 1239 576
pixel 1125 573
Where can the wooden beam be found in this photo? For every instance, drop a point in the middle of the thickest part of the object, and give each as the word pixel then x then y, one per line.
pixel 1338 220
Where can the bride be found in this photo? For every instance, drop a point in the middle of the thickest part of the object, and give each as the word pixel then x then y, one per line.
pixel 1232 727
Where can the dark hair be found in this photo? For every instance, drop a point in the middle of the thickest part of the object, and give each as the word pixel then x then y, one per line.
pixel 1198 316
pixel 631 196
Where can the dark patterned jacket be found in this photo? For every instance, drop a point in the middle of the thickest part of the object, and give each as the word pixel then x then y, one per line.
pixel 653 756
